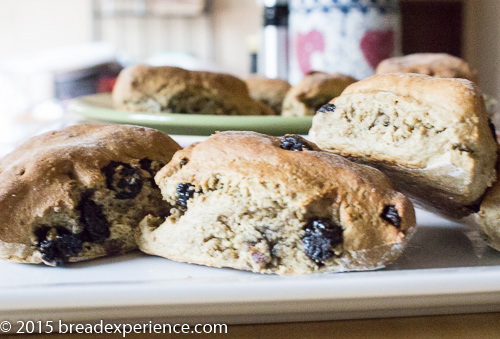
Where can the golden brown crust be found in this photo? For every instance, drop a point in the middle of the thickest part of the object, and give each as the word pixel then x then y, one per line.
pixel 315 90
pixel 439 65
pixel 47 173
pixel 460 97
pixel 239 169
pixel 269 91
pixel 176 90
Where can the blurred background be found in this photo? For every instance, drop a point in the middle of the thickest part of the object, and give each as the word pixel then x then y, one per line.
pixel 58 49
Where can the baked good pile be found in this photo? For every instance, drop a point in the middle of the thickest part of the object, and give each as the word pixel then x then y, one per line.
pixel 340 201
pixel 164 89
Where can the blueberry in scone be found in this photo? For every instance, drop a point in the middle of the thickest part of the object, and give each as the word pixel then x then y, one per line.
pixel 275 205
pixel 431 136
pixel 79 193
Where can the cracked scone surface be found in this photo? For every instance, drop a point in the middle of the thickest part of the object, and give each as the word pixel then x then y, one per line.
pixel 268 91
pixel 77 194
pixel 315 90
pixel 440 65
pixel 276 205
pixel 430 135
pixel 176 90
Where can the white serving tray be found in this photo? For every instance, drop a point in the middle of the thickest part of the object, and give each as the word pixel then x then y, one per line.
pixel 441 272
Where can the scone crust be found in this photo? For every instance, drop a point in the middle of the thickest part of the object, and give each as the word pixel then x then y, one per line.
pixel 152 89
pixel 315 89
pixel 454 107
pixel 440 65
pixel 271 92
pixel 308 183
pixel 42 174
pixel 489 215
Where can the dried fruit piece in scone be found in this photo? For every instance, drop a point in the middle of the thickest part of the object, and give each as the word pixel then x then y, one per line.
pixel 78 194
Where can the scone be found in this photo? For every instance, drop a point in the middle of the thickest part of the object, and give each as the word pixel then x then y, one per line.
pixel 429 135
pixel 268 91
pixel 440 65
pixel 78 193
pixel 276 205
pixel 489 217
pixel 315 90
pixel 176 90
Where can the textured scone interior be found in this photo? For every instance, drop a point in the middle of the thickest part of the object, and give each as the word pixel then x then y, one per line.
pixel 78 194
pixel 241 201
pixel 175 90
pixel 99 218
pixel 430 135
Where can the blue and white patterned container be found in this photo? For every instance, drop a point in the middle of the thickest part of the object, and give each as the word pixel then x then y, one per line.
pixel 346 36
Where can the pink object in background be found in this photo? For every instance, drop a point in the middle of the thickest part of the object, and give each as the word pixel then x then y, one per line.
pixel 345 36
pixel 377 46
pixel 306 45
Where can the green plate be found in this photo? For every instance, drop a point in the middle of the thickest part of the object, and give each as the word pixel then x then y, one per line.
pixel 99 106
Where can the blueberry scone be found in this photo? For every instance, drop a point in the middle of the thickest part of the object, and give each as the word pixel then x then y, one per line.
pixel 176 90
pixel 440 65
pixel 276 205
pixel 431 136
pixel 315 90
pixel 268 91
pixel 78 193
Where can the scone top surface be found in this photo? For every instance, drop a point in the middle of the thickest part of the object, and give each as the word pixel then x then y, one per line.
pixel 243 200
pixel 176 90
pixel 436 127
pixel 48 173
pixel 261 85
pixel 315 89
pixel 440 65
pixel 269 91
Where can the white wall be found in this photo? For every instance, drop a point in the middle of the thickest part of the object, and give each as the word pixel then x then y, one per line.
pixel 482 42
pixel 234 20
pixel 31 25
